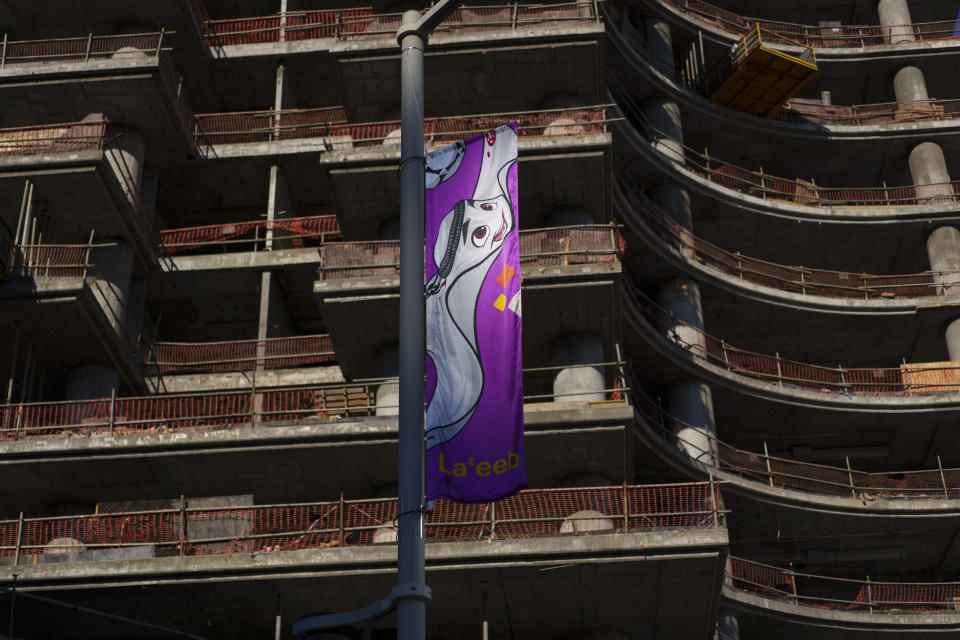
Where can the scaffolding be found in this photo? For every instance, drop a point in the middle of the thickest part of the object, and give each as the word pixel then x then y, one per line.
pixel 758 79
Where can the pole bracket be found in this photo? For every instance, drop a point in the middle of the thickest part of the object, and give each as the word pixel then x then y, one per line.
pixel 360 619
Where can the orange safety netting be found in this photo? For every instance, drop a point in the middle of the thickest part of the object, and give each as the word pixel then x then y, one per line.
pixel 803 280
pixel 243 234
pixel 262 126
pixel 362 23
pixel 78 49
pixel 842 594
pixel 530 513
pixel 238 355
pixel 538 247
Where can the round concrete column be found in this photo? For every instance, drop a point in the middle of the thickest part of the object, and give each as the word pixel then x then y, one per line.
pixel 675 202
pixel 125 156
pixel 660 43
pixel 578 384
pixel 909 85
pixel 115 264
pixel 943 249
pixel 728 626
pixel 664 117
pixel 694 429
pixel 953 340
pixel 681 298
pixel 895 17
pixel 388 394
pixel 928 168
pixel 90 381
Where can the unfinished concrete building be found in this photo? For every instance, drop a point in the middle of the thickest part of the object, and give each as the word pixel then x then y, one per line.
pixel 741 279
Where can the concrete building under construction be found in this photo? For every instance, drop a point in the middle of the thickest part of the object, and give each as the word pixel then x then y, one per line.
pixel 740 251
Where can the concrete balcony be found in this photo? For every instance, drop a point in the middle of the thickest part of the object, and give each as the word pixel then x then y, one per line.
pixel 574 556
pixel 769 217
pixel 63 306
pixel 127 78
pixel 571 282
pixel 533 51
pixel 847 55
pixel 86 180
pixel 287 439
pixel 788 604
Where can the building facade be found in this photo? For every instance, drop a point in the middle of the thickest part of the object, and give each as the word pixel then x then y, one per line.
pixel 741 271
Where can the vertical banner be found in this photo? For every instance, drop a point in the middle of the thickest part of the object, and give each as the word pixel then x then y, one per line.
pixel 474 370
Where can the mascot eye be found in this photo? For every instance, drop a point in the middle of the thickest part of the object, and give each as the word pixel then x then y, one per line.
pixel 487 206
pixel 479 235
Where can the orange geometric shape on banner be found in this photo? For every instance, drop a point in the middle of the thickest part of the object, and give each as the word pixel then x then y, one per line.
pixel 505 275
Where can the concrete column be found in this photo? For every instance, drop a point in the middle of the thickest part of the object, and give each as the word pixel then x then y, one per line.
pixel 578 384
pixel 660 43
pixel 728 626
pixel 125 155
pixel 681 298
pixel 674 201
pixel 928 168
pixel 275 321
pixel 694 429
pixel 895 18
pixel 112 288
pixel 149 186
pixel 89 381
pixel 910 85
pixel 388 394
pixel 953 340
pixel 943 249
pixel 279 205
pixel 663 116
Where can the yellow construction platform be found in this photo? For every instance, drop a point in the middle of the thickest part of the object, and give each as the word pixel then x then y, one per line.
pixel 760 79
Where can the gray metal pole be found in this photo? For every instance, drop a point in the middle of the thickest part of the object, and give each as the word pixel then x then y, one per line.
pixel 411 612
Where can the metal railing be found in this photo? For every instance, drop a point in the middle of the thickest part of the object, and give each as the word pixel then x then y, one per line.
pixel 238 355
pixel 793 279
pixel 54 138
pixel 843 36
pixel 555 246
pixel 265 126
pixel 80 49
pixel 251 235
pixel 866 596
pixel 907 380
pixel 869 114
pixel 763 185
pixel 248 406
pixel 187 531
pixel 787 473
pixel 363 24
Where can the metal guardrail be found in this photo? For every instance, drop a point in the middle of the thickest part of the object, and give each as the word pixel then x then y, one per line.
pixel 249 406
pixel 844 595
pixel 265 126
pixel 364 24
pixel 793 279
pixel 185 531
pixel 82 49
pixel 251 235
pixel 869 114
pixel 238 355
pixel 843 36
pixel 554 246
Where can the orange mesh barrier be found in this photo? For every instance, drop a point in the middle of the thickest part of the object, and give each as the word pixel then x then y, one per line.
pixel 363 24
pixel 53 138
pixel 842 594
pixel 538 247
pixel 862 381
pixel 78 49
pixel 244 236
pixel 803 280
pixel 795 474
pixel 818 36
pixel 263 126
pixel 238 355
pixel 531 513
pixel 223 409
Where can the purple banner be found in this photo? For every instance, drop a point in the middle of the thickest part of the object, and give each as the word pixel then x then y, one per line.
pixel 474 370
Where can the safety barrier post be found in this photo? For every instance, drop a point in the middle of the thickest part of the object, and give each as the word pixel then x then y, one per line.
pixel 943 479
pixel 853 490
pixel 493 520
pixel 723 347
pixel 740 264
pixel 793 584
pixel 763 184
pixel 869 595
pixel 336 27
pixel 113 404
pixel 86 57
pixel 779 370
pixel 596 11
pixel 713 501
pixel 513 20
pixel 342 507
pixel 183 523
pixel 803 283
pixel 3 56
pixel 626 509
pixel 159 45
pixel 766 455
pixel 16 551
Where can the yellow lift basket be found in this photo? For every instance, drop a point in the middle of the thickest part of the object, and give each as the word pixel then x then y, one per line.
pixel 758 79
